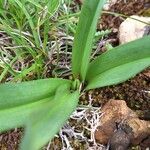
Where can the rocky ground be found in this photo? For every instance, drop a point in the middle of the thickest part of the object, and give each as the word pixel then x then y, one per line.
pixel 132 99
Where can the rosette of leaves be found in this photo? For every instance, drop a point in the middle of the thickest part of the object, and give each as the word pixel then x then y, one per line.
pixel 42 106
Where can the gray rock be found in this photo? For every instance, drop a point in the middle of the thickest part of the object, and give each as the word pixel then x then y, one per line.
pixel 108 4
pixel 131 29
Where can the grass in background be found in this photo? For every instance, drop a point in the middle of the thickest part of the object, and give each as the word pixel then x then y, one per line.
pixel 26 28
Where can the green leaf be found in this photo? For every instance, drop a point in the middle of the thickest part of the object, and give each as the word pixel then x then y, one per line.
pixel 15 94
pixel 119 64
pixel 119 74
pixel 17 116
pixel 49 119
pixel 36 3
pixel 52 6
pixel 84 36
pixel 18 101
pixel 21 4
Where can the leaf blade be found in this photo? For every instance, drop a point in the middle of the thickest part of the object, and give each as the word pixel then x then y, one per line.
pixel 52 118
pixel 119 74
pixel 14 94
pixel 53 6
pixel 17 116
pixel 124 55
pixel 84 36
pixel 119 55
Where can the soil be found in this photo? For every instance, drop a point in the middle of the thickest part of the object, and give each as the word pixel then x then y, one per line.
pixel 128 8
pixel 134 92
pixel 10 140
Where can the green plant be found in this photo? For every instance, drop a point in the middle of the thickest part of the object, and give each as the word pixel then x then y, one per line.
pixel 43 106
pixel 27 24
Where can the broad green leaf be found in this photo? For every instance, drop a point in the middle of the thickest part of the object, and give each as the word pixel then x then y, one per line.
pixel 119 64
pixel 119 74
pixel 50 119
pixel 15 94
pixel 84 36
pixel 18 116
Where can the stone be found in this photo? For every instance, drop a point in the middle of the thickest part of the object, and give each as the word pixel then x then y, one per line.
pixel 120 140
pixel 118 120
pixel 140 129
pixel 114 111
pixel 131 29
pixel 108 4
